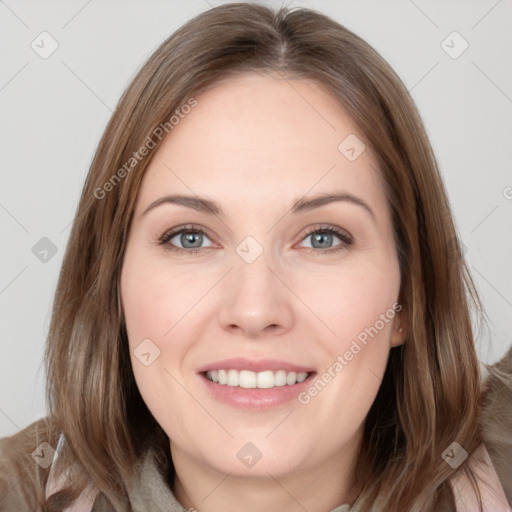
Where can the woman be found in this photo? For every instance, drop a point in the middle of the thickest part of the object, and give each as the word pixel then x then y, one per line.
pixel 311 349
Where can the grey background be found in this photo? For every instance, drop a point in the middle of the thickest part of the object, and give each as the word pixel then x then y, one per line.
pixel 53 112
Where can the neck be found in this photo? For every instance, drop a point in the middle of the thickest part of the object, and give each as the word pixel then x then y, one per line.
pixel 322 488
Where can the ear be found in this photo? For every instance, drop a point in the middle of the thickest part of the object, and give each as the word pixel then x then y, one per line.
pixel 399 334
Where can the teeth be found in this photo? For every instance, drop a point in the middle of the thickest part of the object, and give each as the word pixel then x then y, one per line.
pixel 301 377
pixel 291 378
pixel 262 380
pixel 233 378
pixel 247 379
pixel 280 378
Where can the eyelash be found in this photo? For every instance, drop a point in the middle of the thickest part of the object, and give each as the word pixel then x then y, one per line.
pixel 346 239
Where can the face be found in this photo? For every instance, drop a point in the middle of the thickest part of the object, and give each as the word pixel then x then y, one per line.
pixel 276 264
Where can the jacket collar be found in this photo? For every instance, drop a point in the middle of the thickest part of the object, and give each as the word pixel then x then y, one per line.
pixel 152 493
pixel 149 493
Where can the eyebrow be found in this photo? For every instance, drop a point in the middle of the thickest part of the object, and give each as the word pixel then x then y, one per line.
pixel 299 206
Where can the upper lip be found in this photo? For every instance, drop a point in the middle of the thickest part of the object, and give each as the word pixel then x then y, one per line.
pixel 242 363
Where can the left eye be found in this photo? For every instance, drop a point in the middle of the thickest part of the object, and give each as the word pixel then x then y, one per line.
pixel 322 238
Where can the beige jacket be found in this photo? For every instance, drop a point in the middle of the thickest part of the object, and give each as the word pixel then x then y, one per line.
pixel 154 495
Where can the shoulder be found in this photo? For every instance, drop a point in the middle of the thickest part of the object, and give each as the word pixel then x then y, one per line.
pixel 491 462
pixel 496 419
pixel 491 491
pixel 27 476
pixel 22 479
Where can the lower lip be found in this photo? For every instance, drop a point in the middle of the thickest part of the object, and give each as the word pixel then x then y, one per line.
pixel 256 398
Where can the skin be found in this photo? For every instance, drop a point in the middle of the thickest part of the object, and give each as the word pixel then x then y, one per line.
pixel 254 145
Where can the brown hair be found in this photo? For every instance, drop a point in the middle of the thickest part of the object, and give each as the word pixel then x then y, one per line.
pixel 430 393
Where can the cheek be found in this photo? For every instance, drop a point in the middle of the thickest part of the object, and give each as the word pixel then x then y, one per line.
pixel 154 299
pixel 353 299
pixel 151 303
pixel 155 296
pixel 359 307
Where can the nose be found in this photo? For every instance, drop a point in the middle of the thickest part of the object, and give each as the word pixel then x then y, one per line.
pixel 257 301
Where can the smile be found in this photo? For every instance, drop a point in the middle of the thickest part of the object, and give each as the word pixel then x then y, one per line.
pixel 257 384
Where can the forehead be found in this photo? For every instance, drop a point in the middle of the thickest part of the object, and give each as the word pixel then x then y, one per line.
pixel 266 138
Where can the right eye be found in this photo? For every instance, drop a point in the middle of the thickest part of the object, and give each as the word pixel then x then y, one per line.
pixel 188 239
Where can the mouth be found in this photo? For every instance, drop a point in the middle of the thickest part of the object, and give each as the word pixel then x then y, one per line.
pixel 259 385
